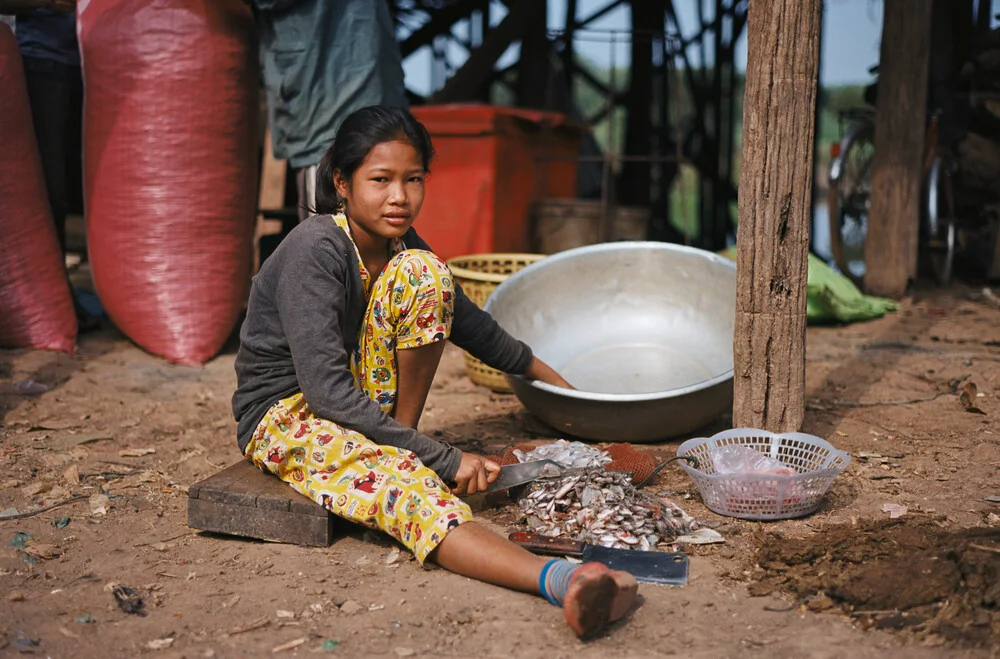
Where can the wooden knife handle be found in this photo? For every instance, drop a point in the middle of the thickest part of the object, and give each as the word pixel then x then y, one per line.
pixel 541 544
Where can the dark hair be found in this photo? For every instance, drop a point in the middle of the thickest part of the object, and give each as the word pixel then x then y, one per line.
pixel 361 132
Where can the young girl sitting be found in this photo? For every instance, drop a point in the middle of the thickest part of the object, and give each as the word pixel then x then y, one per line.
pixel 345 328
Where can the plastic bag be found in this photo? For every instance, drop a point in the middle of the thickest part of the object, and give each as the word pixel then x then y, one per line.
pixel 743 460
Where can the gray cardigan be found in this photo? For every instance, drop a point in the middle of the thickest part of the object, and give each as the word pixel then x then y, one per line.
pixel 306 308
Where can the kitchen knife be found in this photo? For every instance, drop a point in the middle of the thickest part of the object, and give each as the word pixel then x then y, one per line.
pixel 646 566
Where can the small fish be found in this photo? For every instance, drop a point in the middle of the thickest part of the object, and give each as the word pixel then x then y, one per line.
pixel 564 490
pixel 602 507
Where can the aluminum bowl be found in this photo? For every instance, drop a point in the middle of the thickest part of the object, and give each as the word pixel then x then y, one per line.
pixel 643 330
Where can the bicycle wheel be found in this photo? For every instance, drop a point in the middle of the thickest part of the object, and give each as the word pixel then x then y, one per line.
pixel 938 231
pixel 849 199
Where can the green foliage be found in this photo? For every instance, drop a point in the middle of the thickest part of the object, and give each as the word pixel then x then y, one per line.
pixel 832 101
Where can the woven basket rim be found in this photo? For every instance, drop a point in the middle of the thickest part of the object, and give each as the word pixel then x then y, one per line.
pixel 488 277
pixel 485 376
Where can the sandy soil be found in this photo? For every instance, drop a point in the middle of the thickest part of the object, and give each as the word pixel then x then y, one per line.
pixel 835 584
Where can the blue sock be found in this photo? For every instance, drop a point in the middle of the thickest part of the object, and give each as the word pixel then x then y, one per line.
pixel 554 580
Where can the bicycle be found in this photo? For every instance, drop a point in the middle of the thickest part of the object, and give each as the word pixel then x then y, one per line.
pixel 849 197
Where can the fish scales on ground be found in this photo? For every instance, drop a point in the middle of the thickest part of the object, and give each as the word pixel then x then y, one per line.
pixel 603 508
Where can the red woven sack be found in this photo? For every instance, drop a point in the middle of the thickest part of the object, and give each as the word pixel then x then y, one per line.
pixel 170 162
pixel 36 310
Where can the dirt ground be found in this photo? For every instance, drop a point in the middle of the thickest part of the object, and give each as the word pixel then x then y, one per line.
pixel 846 581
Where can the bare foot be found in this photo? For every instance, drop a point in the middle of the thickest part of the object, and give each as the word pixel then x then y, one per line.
pixel 627 589
pixel 597 596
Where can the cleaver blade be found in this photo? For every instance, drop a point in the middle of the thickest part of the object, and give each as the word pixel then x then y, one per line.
pixel 525 472
pixel 669 568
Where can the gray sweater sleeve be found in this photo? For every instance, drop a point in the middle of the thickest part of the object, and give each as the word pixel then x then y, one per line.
pixel 311 296
pixel 475 331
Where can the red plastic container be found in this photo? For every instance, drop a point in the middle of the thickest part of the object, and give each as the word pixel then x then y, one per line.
pixel 491 163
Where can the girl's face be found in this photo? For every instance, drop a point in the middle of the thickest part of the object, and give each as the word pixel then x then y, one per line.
pixel 385 194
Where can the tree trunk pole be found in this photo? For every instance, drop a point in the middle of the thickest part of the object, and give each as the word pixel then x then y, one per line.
pixel 897 170
pixel 775 204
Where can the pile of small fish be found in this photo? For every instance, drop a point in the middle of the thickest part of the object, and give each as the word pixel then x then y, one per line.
pixel 602 507
pixel 569 454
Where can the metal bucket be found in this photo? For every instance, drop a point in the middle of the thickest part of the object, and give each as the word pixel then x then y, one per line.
pixel 643 330
pixel 561 224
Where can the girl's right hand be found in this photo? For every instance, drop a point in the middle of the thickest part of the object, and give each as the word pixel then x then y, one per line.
pixel 475 473
pixel 539 370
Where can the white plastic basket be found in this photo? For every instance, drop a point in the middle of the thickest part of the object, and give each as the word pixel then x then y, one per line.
pixel 764 496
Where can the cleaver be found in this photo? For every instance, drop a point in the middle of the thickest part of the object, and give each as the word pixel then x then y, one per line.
pixel 496 493
pixel 525 472
pixel 647 566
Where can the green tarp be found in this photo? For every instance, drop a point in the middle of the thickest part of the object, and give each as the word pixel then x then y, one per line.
pixel 832 297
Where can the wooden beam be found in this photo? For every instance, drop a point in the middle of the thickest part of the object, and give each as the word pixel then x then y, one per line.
pixel 894 220
pixel 606 9
pixel 635 180
pixel 604 111
pixel 694 84
pixel 243 500
pixel 569 66
pixel 534 66
pixel 440 22
pixel 983 23
pixel 272 178
pixel 270 197
pixel 775 206
pixel 477 69
pixel 581 68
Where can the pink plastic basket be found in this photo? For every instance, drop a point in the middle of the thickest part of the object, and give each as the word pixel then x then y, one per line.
pixel 759 496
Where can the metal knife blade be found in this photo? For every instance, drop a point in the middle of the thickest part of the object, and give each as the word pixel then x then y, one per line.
pixel 646 566
pixel 525 472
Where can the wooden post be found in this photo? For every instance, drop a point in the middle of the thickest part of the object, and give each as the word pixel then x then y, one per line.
pixel 635 180
pixel 894 220
pixel 775 196
pixel 271 196
pixel 534 67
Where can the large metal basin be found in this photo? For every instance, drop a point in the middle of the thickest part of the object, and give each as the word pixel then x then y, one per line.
pixel 643 330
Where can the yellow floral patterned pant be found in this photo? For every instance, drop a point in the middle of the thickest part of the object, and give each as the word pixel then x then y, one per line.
pixel 381 487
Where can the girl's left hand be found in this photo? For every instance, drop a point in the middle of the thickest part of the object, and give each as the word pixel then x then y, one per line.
pixel 539 370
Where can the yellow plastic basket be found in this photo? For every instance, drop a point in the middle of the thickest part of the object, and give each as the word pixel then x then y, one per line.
pixel 479 275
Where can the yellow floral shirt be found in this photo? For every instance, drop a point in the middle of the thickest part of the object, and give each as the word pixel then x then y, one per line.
pixel 395 247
